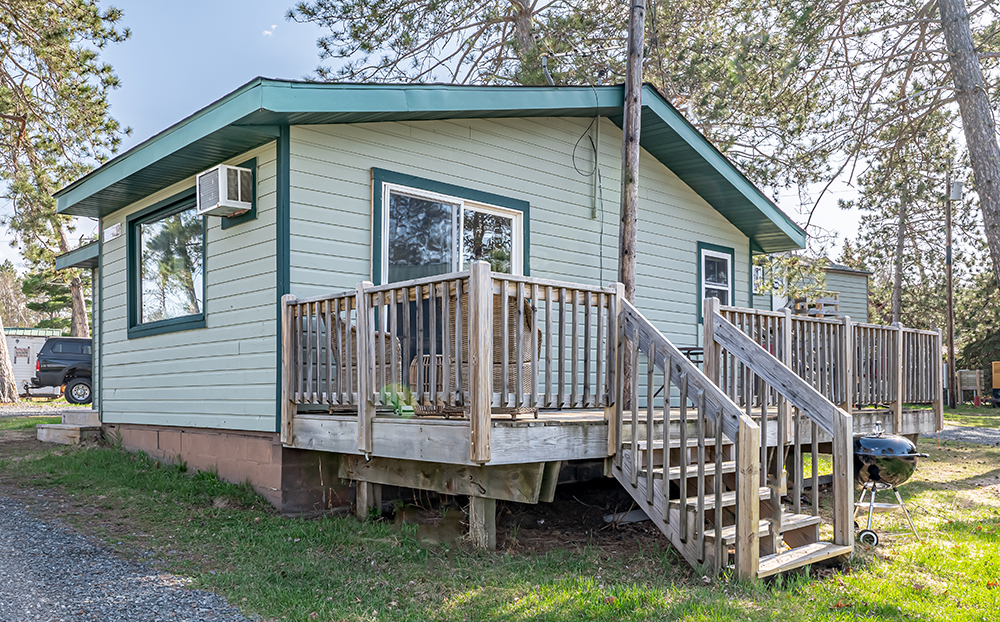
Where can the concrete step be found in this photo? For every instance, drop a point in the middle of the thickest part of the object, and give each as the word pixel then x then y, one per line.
pixel 81 416
pixel 67 434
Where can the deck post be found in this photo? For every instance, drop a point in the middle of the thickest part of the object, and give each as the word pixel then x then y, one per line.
pixel 843 479
pixel 366 358
pixel 480 360
pixel 938 383
pixel 747 500
pixel 367 496
pixel 848 350
pixel 287 406
pixel 897 379
pixel 712 350
pixel 483 522
pixel 612 410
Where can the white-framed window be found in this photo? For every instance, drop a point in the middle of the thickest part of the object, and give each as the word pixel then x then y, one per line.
pixel 716 275
pixel 425 233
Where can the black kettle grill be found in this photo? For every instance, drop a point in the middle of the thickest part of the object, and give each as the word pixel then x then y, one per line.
pixel 882 461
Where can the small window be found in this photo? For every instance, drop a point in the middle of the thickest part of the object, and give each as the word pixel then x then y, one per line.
pixel 71 347
pixel 166 269
pixel 715 270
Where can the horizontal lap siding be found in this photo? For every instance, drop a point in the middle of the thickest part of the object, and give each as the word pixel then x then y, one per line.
pixel 220 376
pixel 527 159
pixel 852 290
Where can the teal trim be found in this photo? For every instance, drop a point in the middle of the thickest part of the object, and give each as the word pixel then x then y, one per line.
pixel 705 246
pixel 136 328
pixel 750 290
pixel 232 221
pixel 86 256
pixel 252 116
pixel 99 323
pixel 283 240
pixel 382 176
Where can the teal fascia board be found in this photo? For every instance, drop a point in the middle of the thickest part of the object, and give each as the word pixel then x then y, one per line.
pixel 87 256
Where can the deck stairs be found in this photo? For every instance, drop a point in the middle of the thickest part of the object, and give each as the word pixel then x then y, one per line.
pixel 78 425
pixel 684 469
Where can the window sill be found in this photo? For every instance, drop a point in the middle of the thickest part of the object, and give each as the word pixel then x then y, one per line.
pixel 172 325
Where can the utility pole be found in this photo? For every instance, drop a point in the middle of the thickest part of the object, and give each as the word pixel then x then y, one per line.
pixel 953 189
pixel 630 148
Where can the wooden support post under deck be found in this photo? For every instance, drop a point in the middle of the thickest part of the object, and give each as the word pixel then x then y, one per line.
pixel 938 403
pixel 483 520
pixel 711 350
pixel 368 496
pixel 848 350
pixel 897 379
pixel 612 412
pixel 843 479
pixel 366 362
pixel 480 360
pixel 747 500
pixel 287 407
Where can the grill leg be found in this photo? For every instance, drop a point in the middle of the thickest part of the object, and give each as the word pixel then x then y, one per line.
pixel 871 506
pixel 864 491
pixel 907 512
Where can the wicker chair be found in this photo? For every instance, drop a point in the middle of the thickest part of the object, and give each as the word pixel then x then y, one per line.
pixel 527 369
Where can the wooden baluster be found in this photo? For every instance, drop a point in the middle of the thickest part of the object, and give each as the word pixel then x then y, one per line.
pixel 381 349
pixel 328 345
pixel 665 391
pixel 717 486
pixel 432 328
pixel 684 457
pixel 700 429
pixel 394 371
pixel 620 393
pixel 519 370
pixel 366 409
pixel 586 403
pixel 419 300
pixel 758 384
pixel 748 501
pixel 407 343
pixel 574 349
pixel 650 429
pixel 548 348
pixel 534 345
pixel 505 333
pixel 448 396
pixel 634 408
pixel 798 462
pixel 338 328
pixel 561 388
pixel 599 397
pixel 814 497
pixel 310 394
pixel 287 337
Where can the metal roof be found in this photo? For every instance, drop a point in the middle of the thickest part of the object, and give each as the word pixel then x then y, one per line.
pixel 251 115
pixel 86 256
pixel 32 332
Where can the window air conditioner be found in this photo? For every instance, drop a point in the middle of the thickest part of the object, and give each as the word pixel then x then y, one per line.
pixel 225 191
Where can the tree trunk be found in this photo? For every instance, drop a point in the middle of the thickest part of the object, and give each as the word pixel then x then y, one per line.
pixel 977 118
pixel 8 388
pixel 522 27
pixel 79 326
pixel 897 265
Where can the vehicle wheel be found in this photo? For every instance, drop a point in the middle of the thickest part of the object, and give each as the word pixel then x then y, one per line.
pixel 78 391
pixel 869 537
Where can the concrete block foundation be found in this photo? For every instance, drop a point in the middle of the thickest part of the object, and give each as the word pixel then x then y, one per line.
pixel 292 480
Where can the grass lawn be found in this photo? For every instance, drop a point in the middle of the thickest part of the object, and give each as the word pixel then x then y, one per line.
pixel 969 415
pixel 25 423
pixel 230 541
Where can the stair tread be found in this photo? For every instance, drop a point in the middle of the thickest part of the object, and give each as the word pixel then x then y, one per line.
pixel 790 521
pixel 692 470
pixel 729 532
pixel 728 499
pixel 68 426
pixel 798 557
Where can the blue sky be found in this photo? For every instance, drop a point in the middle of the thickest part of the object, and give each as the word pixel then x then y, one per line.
pixel 185 54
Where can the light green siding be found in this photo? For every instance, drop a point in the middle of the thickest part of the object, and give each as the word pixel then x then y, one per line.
pixel 220 376
pixel 530 159
pixel 852 290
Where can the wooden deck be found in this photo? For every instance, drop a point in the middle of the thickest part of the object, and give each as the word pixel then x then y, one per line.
pixel 513 377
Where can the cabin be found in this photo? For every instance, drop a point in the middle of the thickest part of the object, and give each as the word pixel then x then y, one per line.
pixel 846 292
pixel 418 290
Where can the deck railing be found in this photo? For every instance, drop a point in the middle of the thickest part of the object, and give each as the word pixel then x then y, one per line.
pixel 463 344
pixel 730 344
pixel 848 363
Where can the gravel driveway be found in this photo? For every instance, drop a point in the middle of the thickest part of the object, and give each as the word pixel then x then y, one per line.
pixel 48 573
pixel 983 436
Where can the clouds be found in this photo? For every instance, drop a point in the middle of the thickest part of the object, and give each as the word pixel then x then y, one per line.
pixel 268 33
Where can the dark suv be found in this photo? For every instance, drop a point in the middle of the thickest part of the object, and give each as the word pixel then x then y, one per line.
pixel 65 361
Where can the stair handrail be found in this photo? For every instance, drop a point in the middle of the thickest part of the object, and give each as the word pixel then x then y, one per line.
pixel 736 426
pixel 720 333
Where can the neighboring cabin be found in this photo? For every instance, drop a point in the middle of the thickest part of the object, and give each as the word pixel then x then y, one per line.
pixel 849 286
pixel 376 182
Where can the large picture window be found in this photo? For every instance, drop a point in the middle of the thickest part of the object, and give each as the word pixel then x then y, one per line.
pixel 426 233
pixel 167 269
